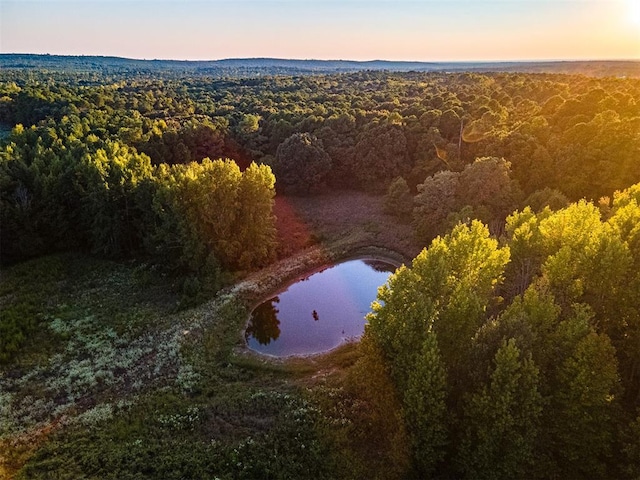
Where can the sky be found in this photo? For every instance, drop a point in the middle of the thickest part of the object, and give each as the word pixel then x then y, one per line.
pixel 418 30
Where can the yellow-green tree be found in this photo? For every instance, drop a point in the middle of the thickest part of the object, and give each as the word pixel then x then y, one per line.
pixel 424 321
pixel 211 213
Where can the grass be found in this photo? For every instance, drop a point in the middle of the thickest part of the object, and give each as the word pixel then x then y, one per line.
pixel 115 376
pixel 236 433
pixel 113 382
pixel 88 330
pixel 26 294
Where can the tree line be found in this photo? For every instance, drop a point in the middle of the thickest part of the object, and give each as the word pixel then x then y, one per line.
pixel 63 188
pixel 562 137
pixel 572 133
pixel 514 357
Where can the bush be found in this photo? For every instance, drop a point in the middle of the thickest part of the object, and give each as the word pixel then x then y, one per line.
pixel 398 200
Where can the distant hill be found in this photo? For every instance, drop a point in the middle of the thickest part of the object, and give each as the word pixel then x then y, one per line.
pixel 277 66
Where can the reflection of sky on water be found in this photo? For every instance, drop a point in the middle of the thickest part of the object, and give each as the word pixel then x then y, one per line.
pixel 319 313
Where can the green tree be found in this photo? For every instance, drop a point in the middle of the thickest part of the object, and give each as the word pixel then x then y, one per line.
pixel 425 408
pixel 547 197
pixel 528 249
pixel 380 156
pixel 116 198
pixel 586 260
pixel 623 323
pixel 424 321
pixel 501 419
pixel 447 290
pixel 398 200
pixel 301 165
pixel 487 183
pixel 211 213
pixel 378 433
pixel 578 421
pixel 631 449
pixel 437 197
pixel 255 223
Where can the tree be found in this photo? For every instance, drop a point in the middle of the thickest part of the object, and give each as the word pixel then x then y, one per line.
pixel 623 322
pixel 379 432
pixel 468 265
pixel 117 199
pixel 380 156
pixel 398 200
pixel 210 213
pixel 547 197
pixel 501 419
pixel 578 421
pixel 425 409
pixel 587 260
pixel 423 323
pixel 631 449
pixel 447 290
pixel 485 186
pixel 528 250
pixel 436 198
pixel 301 165
pixel 255 223
pixel 487 183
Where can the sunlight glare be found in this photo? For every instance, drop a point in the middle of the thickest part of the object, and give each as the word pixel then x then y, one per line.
pixel 634 12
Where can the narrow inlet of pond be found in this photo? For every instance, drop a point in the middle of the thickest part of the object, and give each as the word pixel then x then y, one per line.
pixel 318 312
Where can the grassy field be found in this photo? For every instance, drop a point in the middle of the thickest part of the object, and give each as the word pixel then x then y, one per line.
pixel 116 379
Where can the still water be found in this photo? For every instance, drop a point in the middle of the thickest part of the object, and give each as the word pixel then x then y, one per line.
pixel 319 312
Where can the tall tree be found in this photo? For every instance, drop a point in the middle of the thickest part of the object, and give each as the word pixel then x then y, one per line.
pixel 578 431
pixel 425 408
pixel 301 165
pixel 501 419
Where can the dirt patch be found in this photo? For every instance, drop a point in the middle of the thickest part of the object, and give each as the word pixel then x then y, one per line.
pixel 338 220
pixel 294 234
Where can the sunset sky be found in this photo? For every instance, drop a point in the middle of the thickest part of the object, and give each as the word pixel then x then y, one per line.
pixel 325 29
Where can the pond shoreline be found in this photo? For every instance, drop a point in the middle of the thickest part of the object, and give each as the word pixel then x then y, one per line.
pixel 264 284
pixel 337 299
pixel 314 233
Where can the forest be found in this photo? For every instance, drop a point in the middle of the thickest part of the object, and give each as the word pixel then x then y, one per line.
pixel 134 202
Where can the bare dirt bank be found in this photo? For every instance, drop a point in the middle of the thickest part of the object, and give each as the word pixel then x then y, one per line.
pixel 341 219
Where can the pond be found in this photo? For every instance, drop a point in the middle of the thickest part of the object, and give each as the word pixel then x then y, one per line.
pixel 318 312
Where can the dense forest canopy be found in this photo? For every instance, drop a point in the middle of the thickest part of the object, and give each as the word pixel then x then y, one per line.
pixel 508 349
pixel 519 358
pixel 501 114
pixel 552 137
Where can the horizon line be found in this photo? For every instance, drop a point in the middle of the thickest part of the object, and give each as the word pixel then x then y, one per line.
pixel 541 60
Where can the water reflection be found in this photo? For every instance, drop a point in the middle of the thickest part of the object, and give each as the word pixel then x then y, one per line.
pixel 379 266
pixel 264 325
pixel 319 312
